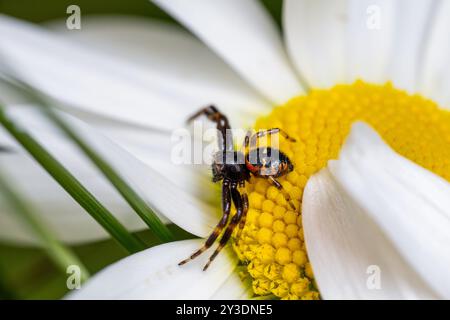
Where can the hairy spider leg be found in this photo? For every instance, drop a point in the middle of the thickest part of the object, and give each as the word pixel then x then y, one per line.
pixel 224 135
pixel 286 194
pixel 238 203
pixel 226 207
pixel 244 214
pixel 262 133
pixel 245 144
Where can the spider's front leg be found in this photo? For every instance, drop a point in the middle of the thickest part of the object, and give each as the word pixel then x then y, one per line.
pixel 225 137
pixel 287 196
pixel 239 204
pixel 226 207
pixel 252 140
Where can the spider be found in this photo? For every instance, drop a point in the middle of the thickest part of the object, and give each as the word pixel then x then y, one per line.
pixel 234 168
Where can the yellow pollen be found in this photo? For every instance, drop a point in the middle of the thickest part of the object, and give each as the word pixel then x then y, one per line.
pixel 271 244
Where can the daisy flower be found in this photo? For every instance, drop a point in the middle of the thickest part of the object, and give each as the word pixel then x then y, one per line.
pixel 361 85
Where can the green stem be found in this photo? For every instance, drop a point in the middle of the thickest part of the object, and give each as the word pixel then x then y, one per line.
pixel 61 255
pixel 69 183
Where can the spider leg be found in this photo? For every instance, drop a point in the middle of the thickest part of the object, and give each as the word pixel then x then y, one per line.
pixel 244 213
pixel 225 137
pixel 269 132
pixel 238 203
pixel 226 207
pixel 246 142
pixel 286 194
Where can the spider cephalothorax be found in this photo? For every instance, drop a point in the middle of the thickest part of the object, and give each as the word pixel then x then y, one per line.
pixel 234 168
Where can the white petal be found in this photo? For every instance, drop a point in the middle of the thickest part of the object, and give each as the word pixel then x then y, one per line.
pixel 177 204
pixel 345 248
pixel 233 289
pixel 53 205
pixel 314 32
pixel 160 51
pixel 154 274
pixel 155 150
pixel 369 39
pixel 179 75
pixel 434 77
pixel 170 53
pixel 164 197
pixel 242 33
pixel 412 19
pixel 410 204
pixel 339 41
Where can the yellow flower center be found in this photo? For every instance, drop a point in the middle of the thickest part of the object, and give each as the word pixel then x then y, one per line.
pixel 272 245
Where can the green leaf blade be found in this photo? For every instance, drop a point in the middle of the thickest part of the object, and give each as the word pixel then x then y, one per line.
pixel 72 186
pixel 131 197
pixel 60 254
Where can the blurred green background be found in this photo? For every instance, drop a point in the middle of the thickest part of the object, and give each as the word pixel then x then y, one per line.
pixel 42 10
pixel 27 273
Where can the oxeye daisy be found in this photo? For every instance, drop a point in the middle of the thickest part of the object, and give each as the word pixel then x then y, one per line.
pixel 360 86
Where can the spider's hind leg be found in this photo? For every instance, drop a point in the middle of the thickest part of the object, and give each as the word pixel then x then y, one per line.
pixel 226 207
pixel 238 203
pixel 244 213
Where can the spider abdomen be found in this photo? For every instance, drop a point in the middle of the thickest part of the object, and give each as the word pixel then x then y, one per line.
pixel 267 161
